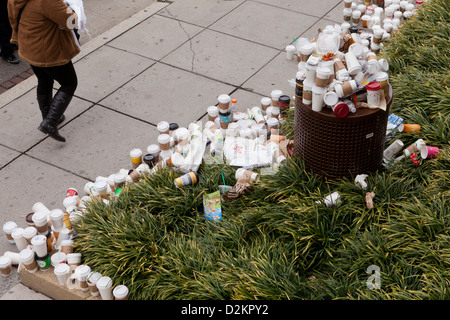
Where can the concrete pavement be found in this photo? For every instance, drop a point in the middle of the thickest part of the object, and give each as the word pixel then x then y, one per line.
pixel 169 61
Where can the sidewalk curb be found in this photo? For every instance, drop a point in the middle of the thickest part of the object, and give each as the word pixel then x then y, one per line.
pixel 28 84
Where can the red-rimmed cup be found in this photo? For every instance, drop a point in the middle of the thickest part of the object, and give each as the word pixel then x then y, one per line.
pixel 427 152
pixel 71 192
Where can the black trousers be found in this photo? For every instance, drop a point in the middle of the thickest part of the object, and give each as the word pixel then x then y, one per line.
pixel 65 75
pixel 5 29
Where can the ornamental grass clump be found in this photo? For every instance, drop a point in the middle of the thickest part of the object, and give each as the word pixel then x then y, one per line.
pixel 280 241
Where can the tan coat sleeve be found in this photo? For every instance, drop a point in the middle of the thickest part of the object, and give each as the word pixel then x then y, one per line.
pixel 13 15
pixel 61 14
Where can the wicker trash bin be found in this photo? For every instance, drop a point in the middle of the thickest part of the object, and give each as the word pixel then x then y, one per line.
pixel 340 147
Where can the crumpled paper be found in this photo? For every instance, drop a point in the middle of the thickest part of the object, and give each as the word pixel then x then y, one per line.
pixel 78 7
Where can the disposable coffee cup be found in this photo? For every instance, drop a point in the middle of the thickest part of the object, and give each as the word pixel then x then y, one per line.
pixel 365 20
pixel 92 279
pixel 101 188
pixel 57 219
pixel 353 65
pixel 14 256
pixel 40 220
pixel 62 273
pixel 383 79
pixel 136 155
pixel 356 16
pixel 265 103
pixel 347 14
pixel 346 88
pixel 8 228
pixel 27 258
pixel 74 260
pixel 322 76
pixel 82 272
pixel 67 246
pixel 414 147
pixel 29 233
pixel 427 152
pixel 187 179
pixel 307 92
pixel 306 50
pixel 246 175
pixel 311 67
pixel 104 285
pixel 393 149
pixel 29 219
pixel 19 239
pixel 348 3
pixel 213 113
pixel 163 127
pixel 318 94
pixel 57 258
pixel 5 266
pixel 39 206
pixel 224 188
pixel 39 244
pixel 290 50
pixel 224 102
pixel 120 292
pixel 257 114
pixel 373 93
pixel 275 96
pixel 272 123
pixel 44 262
pixel 411 127
pixel 330 98
pixel 164 142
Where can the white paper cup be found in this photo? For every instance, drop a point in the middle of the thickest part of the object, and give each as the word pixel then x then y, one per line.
pixel 40 220
pixel 29 233
pixel 14 256
pixel 104 285
pixel 322 76
pixel 164 142
pixel 82 272
pixel 272 123
pixel 74 260
pixel 393 149
pixel 26 257
pixel 5 266
pixel 213 113
pixel 163 127
pixel 57 258
pixel 136 156
pixel 318 94
pixel 307 92
pixel 120 292
pixel 241 172
pixel 290 49
pixel 62 273
pixel 39 206
pixel 92 283
pixel 275 96
pixel 101 188
pixel 8 228
pixel 19 239
pixel 346 88
pixel 39 244
pixel 330 98
pixel 56 217
pixel 353 65
pixel 257 114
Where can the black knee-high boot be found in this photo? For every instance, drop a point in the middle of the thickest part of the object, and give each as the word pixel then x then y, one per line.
pixel 44 101
pixel 57 108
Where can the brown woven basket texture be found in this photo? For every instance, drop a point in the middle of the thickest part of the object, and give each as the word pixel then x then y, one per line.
pixel 340 147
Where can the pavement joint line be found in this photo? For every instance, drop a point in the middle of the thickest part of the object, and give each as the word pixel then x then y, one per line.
pixel 87 48
pixel 125 114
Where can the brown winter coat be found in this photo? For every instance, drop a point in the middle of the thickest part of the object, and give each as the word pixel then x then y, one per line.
pixel 43 31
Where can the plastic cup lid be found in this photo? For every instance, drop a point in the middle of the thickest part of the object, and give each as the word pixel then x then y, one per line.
pixel 136 152
pixel 212 110
pixel 272 122
pixel 373 86
pixel 381 76
pixel 100 185
pixel 331 98
pixel 163 126
pixel 26 254
pixel 39 217
pixel 57 213
pixel 29 232
pixel 266 101
pixel 93 277
pixel 39 239
pixel 224 98
pixel 275 94
pixel 61 268
pixel 163 138
pixel 341 110
pixel 104 282
pixel 9 226
pixel 5 261
pixel 17 233
pixel 83 270
pixel 182 133
pixel 153 148
pixel 120 291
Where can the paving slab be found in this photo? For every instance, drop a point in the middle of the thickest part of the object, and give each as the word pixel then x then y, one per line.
pixel 221 57
pixel 336 13
pixel 22 292
pixel 20 120
pixel 274 76
pixel 166 93
pixel 98 143
pixel 200 12
pixel 7 155
pixel 165 36
pixel 105 70
pixel 314 8
pixel 264 24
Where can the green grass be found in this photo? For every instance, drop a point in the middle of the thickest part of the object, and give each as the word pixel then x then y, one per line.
pixel 277 242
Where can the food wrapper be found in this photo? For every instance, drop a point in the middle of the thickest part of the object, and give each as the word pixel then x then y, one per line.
pixel 369 199
pixel 212 207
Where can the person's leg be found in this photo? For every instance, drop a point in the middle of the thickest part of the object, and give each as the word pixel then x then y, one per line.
pixel 7 49
pixel 66 76
pixel 44 90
